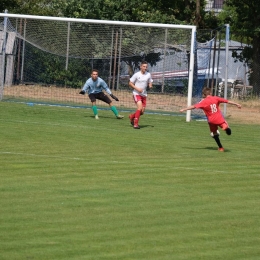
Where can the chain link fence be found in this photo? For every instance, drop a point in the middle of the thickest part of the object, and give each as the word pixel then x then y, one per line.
pixel 48 61
pixel 228 66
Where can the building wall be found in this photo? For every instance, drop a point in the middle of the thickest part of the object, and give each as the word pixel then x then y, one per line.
pixel 214 5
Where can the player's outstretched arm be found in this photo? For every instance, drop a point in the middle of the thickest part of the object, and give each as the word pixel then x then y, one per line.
pixel 187 108
pixel 235 104
pixel 82 92
pixel 114 97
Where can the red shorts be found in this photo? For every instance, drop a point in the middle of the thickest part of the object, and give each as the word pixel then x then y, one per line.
pixel 140 98
pixel 213 128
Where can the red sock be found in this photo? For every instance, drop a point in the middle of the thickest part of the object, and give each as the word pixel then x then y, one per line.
pixel 137 115
pixel 132 116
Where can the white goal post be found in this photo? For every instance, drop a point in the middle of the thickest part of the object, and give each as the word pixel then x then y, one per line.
pixel 155 36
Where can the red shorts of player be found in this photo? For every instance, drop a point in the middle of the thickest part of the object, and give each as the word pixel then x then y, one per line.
pixel 140 98
pixel 213 128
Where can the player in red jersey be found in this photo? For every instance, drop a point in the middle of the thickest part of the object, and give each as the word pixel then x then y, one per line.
pixel 210 105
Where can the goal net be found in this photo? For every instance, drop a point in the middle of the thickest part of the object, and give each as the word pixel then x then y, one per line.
pixel 48 59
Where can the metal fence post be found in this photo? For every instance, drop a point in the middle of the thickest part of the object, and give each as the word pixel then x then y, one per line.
pixel 226 71
pixel 2 72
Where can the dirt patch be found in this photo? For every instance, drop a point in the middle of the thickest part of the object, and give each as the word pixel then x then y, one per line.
pixel 250 115
pixel 250 112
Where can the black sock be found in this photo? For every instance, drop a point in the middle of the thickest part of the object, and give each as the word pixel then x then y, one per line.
pixel 216 137
pixel 228 131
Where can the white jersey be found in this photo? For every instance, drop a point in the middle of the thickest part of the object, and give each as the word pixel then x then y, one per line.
pixel 141 81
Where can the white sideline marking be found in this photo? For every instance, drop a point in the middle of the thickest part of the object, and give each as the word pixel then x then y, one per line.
pixel 40 123
pixel 119 162
pixel 41 155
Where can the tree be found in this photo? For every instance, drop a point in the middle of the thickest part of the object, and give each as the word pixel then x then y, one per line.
pixel 31 7
pixel 244 19
pixel 7 4
pixel 134 62
pixel 155 11
pixel 150 11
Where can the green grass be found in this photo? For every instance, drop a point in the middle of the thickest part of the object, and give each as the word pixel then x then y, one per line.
pixel 72 187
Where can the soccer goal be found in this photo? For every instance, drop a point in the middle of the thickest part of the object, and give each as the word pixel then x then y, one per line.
pixel 48 59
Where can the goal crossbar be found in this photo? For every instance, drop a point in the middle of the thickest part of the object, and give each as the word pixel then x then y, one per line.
pixel 65 19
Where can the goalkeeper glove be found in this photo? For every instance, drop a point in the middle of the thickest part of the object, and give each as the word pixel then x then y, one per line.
pixel 82 92
pixel 114 97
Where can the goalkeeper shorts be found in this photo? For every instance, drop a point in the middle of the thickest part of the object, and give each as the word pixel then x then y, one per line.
pixel 101 96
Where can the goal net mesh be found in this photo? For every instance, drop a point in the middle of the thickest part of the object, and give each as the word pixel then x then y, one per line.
pixel 48 61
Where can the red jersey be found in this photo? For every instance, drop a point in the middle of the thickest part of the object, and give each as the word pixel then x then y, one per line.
pixel 210 106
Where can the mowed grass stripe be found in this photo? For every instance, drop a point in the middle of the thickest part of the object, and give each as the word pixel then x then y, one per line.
pixel 163 192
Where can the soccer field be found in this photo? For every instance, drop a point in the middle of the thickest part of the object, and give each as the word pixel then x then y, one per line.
pixel 73 187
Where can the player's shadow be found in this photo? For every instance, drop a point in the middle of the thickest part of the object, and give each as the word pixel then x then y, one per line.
pixel 113 118
pixel 215 148
pixel 143 126
pixel 205 148
pixel 104 117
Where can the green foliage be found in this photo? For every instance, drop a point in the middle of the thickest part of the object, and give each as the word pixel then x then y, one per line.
pixel 50 69
pixel 8 4
pixel 210 21
pixel 244 20
pixel 244 17
pixel 162 11
pixel 134 62
pixel 244 56
pixel 32 7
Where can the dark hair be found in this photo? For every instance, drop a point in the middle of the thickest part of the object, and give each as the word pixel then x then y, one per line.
pixel 206 91
pixel 94 70
pixel 144 62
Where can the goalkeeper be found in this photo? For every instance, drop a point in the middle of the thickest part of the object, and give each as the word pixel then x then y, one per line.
pixel 94 86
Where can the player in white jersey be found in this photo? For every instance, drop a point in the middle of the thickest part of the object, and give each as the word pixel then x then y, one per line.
pixel 140 82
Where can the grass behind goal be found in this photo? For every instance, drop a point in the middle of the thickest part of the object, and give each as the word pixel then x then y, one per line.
pixel 73 187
